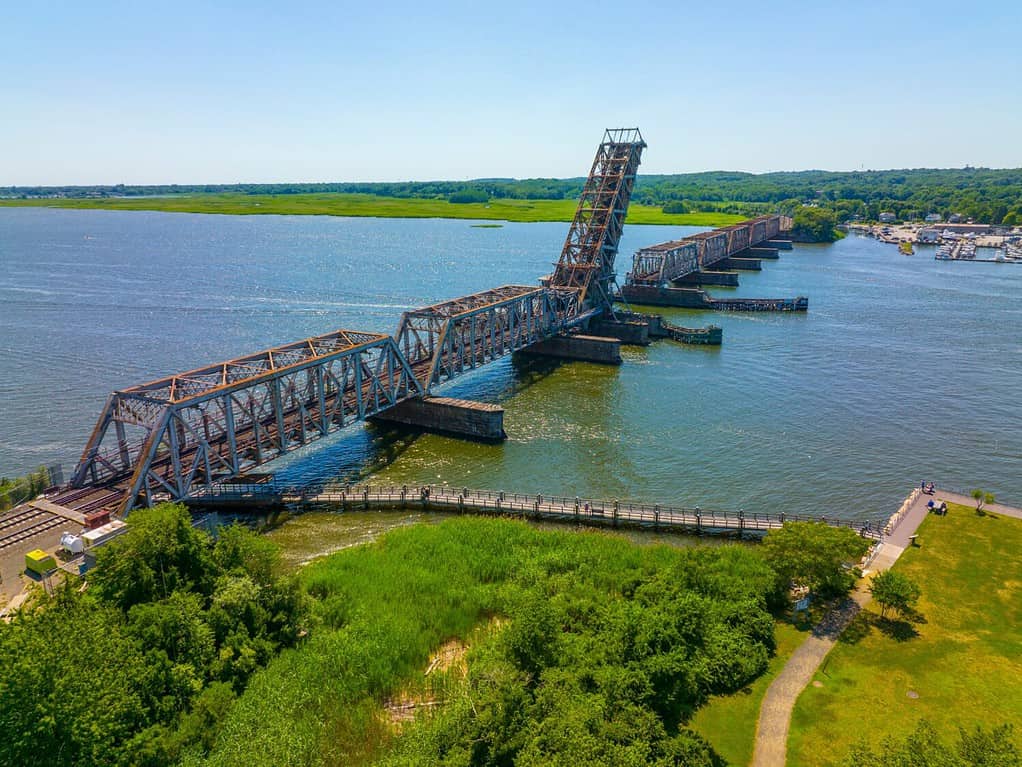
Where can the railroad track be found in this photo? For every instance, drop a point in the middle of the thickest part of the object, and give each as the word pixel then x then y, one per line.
pixel 20 518
pixel 25 533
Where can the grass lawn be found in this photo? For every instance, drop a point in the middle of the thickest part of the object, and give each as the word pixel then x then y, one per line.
pixel 959 663
pixel 728 722
pixel 332 204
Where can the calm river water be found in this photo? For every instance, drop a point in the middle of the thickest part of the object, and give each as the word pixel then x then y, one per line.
pixel 905 368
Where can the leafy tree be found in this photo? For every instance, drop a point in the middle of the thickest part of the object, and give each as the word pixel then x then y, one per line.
pixel 468 196
pixel 75 688
pixel 982 498
pixel 675 206
pixel 924 747
pixel 239 551
pixel 815 555
pixel 142 668
pixel 814 224
pixel 893 590
pixel 159 554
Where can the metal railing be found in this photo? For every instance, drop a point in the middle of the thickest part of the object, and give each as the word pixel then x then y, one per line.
pixel 538 506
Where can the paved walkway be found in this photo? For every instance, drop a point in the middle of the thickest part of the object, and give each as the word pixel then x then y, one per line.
pixel 771 748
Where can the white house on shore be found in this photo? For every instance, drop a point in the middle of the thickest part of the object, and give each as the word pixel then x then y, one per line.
pixel 887 218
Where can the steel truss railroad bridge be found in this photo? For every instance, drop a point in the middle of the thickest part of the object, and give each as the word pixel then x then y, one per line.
pixel 660 264
pixel 181 435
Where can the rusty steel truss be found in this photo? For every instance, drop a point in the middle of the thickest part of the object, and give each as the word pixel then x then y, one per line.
pixel 659 264
pixel 587 259
pixel 445 340
pixel 177 435
pixel 165 438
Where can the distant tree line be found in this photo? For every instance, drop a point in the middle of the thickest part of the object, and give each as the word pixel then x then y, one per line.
pixel 983 194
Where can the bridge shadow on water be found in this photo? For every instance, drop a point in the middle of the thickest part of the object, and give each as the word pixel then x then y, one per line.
pixel 355 453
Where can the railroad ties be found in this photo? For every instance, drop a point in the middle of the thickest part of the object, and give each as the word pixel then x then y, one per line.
pixel 25 522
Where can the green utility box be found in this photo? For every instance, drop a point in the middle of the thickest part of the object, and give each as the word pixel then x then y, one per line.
pixel 39 562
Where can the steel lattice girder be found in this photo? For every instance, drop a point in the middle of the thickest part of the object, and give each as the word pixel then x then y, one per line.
pixel 444 340
pixel 737 238
pixel 592 242
pixel 662 263
pixel 198 428
pixel 658 264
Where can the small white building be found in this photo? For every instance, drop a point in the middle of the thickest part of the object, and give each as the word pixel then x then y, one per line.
pixel 929 235
pixel 934 218
pixel 887 218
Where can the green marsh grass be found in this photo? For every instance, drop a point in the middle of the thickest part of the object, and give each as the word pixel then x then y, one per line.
pixel 383 608
pixel 334 204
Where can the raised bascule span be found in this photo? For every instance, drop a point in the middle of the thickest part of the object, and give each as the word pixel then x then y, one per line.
pixel 182 435
pixel 178 435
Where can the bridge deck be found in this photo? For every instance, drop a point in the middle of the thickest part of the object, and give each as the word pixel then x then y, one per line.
pixel 168 437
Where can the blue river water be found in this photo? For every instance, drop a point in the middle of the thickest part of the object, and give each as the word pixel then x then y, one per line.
pixel 904 368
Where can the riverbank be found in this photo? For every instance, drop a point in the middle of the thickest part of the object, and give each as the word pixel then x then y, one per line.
pixel 578 633
pixel 369 205
pixel 953 661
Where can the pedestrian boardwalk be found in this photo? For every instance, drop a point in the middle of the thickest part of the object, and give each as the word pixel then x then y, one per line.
pixel 579 510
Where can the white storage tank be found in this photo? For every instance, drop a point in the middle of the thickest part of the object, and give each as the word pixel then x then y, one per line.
pixel 71 543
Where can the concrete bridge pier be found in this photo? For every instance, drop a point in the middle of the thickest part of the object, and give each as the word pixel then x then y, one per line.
pixel 779 244
pixel 444 415
pixel 741 264
pixel 761 252
pixel 723 279
pixel 649 295
pixel 628 332
pixel 600 349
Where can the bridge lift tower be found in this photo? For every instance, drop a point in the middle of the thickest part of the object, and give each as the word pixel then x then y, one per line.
pixel 587 259
pixel 182 434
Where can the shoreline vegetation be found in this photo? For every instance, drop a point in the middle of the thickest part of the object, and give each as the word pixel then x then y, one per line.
pixel 951 661
pixel 984 195
pixel 474 640
pixel 371 205
pixel 494 641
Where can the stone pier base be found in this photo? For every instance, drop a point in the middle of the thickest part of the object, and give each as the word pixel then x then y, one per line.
pixel 689 298
pixel 779 244
pixel 600 349
pixel 458 417
pixel 741 264
pixel 762 252
pixel 631 332
pixel 725 279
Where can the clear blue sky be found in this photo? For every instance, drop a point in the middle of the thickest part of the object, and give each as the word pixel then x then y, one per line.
pixel 222 92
